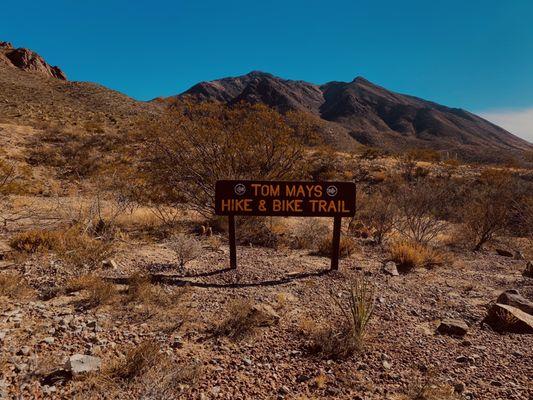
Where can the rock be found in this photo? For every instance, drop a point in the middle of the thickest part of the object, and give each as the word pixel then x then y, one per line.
pixel 453 327
pixel 28 60
pixel 81 363
pixel 111 264
pixel 24 351
pixel 48 340
pixel 264 315
pixel 247 361
pixel 391 269
pixel 528 272
pixel 518 255
pixel 504 253
pixel 284 390
pixel 506 318
pixel 459 387
pixel 6 45
pixel 386 364
pixel 513 298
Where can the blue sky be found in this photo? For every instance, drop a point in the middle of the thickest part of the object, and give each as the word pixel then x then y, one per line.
pixel 473 54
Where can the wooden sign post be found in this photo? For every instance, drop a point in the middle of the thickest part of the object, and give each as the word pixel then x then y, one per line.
pixel 285 199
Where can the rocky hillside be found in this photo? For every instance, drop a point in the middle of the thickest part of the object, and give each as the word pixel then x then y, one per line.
pixel 35 93
pixel 369 114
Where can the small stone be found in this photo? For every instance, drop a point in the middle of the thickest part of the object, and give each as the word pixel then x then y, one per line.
pixel 49 340
pixel 504 253
pixel 111 264
pixel 386 364
pixel 24 351
pixel 215 390
pixel 390 268
pixel 284 390
pixel 247 361
pixel 80 363
pixel 459 387
pixel 453 327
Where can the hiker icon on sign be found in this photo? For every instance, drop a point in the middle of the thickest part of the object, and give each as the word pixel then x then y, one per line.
pixel 332 191
pixel 240 189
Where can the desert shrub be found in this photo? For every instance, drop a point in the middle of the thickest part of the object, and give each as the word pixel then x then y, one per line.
pixel 309 234
pixel 137 360
pixel 356 305
pixel 347 247
pixel 100 292
pixel 492 209
pixel 14 287
pixel 427 387
pixel 74 247
pixel 380 214
pixel 372 153
pixel 418 204
pixel 257 231
pixel 142 291
pixel 323 164
pixel 409 255
pixel 191 147
pixel 13 179
pixel 186 248
pixel 35 241
pixel 241 320
pixel 428 155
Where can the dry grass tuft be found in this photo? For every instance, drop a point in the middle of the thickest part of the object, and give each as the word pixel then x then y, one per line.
pixel 137 360
pixel 428 388
pixel 74 247
pixel 409 255
pixel 100 292
pixel 240 322
pixel 338 341
pixel 14 287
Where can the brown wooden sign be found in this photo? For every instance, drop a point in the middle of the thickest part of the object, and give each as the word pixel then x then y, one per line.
pixel 284 199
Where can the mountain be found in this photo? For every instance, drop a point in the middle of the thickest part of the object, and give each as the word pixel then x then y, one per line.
pixel 369 114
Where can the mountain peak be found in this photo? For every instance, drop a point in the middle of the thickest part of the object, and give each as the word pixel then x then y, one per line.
pixel 361 111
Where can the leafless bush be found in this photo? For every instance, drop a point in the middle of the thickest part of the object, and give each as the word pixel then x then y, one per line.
pixel 186 248
pixel 417 206
pixel 490 210
pixel 310 233
pixel 380 214
pixel 188 150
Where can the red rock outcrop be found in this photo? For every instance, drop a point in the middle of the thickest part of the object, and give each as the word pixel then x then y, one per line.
pixel 28 60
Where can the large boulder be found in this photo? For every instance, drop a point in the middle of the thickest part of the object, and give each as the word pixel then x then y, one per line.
pixel 506 318
pixel 81 363
pixel 513 298
pixel 453 327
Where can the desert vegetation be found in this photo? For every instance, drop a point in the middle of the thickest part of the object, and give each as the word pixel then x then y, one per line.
pixel 110 253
